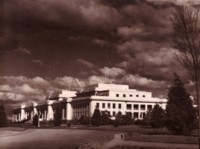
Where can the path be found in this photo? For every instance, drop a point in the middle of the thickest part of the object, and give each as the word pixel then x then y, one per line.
pixel 118 141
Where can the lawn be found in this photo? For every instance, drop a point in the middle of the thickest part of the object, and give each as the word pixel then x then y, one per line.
pixel 136 147
pixel 76 136
pixel 162 138
pixel 52 138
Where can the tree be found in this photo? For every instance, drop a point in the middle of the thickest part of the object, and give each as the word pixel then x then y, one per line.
pixel 180 113
pixel 84 120
pixel 127 119
pixel 96 118
pixel 185 21
pixel 58 117
pixel 147 118
pixel 35 120
pixel 157 119
pixel 118 119
pixel 105 118
pixel 3 117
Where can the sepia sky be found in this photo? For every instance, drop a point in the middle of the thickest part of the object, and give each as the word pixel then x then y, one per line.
pixel 46 45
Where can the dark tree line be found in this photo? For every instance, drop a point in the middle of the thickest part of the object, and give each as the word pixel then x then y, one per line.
pixel 3 117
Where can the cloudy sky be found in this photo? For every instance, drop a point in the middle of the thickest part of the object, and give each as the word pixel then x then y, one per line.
pixel 48 45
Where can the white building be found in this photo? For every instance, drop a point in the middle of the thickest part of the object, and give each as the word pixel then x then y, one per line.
pixel 112 98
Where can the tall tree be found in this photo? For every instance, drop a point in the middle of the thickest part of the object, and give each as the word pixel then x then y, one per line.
pixel 3 117
pixel 180 113
pixel 96 118
pixel 186 25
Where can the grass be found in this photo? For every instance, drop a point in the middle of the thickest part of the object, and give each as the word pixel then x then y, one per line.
pixel 135 147
pixel 76 136
pixel 160 135
pixel 54 139
pixel 163 138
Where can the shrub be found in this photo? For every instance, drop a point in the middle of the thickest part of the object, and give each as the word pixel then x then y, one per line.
pixel 127 119
pixel 35 120
pixel 85 120
pixel 147 118
pixel 58 117
pixel 157 119
pixel 118 119
pixel 105 118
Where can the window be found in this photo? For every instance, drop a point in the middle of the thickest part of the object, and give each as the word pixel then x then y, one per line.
pixel 135 114
pixel 137 95
pixel 143 95
pixel 124 95
pixel 128 106
pixel 142 107
pixel 97 105
pixel 114 113
pixel 119 106
pixel 109 113
pixel 117 95
pixel 131 95
pixel 135 107
pixel 142 115
pixel 149 107
pixel 103 105
pixel 113 105
pixel 108 105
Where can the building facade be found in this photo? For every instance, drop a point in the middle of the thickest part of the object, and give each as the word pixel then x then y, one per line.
pixel 112 98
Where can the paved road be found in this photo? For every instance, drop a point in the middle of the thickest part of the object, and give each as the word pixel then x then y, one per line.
pixel 117 140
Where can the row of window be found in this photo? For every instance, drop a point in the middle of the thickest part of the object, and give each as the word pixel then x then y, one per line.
pixel 81 106
pixel 86 113
pixel 135 114
pixel 136 107
pixel 109 105
pixel 79 114
pixel 128 106
pixel 130 95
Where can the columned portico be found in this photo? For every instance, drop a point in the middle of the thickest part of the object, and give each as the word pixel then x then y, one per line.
pixel 35 109
pixel 92 107
pixel 69 111
pixel 23 116
pixel 50 112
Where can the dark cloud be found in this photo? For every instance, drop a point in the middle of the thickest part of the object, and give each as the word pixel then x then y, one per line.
pixel 48 45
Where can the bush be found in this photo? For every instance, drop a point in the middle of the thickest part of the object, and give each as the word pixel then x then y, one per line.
pixel 85 120
pixel 127 119
pixel 118 119
pixel 105 118
pixel 138 122
pixel 58 117
pixel 68 124
pixel 147 118
pixel 35 120
pixel 157 119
